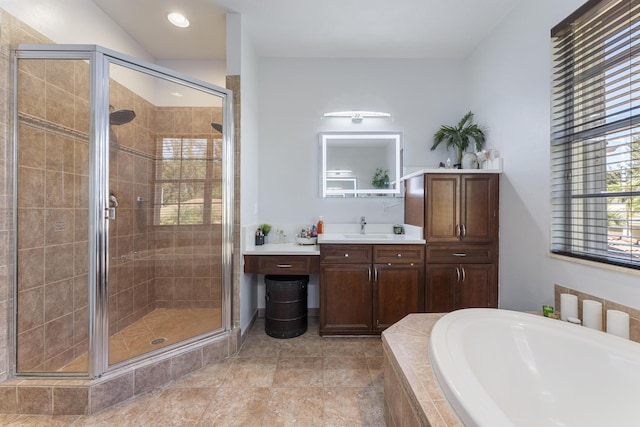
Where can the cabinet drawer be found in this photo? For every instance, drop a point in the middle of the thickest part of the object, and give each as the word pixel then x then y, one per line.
pixel 398 254
pixel 345 254
pixel 479 254
pixel 281 264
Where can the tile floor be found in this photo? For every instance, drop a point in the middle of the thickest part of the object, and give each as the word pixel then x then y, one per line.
pixel 302 381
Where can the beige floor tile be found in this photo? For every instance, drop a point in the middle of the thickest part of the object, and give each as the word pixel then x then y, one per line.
pixel 252 372
pixel 232 407
pixel 353 406
pixel 212 376
pixel 179 407
pixel 303 381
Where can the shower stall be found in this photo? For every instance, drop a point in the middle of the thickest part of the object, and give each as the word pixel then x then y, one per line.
pixel 123 216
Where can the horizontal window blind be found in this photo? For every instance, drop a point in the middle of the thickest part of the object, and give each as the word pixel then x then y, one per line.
pixel 595 133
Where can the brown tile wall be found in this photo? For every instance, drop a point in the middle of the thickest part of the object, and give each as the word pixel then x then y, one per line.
pixel 234 84
pixel 131 290
pixel 634 314
pixel 188 273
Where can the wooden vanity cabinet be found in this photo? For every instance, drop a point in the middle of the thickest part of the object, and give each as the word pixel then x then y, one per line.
pixel 454 286
pixel 366 288
pixel 459 216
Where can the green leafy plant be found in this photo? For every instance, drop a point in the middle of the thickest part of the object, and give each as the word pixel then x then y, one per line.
pixel 380 178
pixel 460 136
pixel 266 228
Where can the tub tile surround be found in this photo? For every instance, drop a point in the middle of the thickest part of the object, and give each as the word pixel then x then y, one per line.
pixel 412 394
pixel 634 313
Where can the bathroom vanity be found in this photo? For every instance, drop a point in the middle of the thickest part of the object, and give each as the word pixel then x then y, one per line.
pixel 369 281
pixel 366 288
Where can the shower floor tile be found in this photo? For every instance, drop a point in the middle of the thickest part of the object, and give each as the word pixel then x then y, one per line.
pixel 290 382
pixel 164 325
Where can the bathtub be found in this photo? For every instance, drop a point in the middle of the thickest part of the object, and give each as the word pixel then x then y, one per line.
pixel 503 368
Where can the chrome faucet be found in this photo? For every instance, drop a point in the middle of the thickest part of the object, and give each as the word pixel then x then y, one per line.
pixel 363 222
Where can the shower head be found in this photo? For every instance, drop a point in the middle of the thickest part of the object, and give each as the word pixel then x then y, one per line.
pixel 120 117
pixel 217 126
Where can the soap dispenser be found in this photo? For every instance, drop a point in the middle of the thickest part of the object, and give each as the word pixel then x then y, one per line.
pixel 320 226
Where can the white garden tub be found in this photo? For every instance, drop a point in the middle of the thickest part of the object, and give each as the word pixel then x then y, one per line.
pixel 500 368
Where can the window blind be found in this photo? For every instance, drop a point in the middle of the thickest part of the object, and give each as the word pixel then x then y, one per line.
pixel 595 133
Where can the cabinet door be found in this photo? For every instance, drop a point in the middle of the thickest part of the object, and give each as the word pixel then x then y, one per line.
pixel 478 208
pixel 398 290
pixel 345 298
pixel 442 211
pixel 477 286
pixel 441 282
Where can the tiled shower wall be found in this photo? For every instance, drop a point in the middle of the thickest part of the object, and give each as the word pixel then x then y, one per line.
pixel 53 176
pixel 188 272
pixel 131 290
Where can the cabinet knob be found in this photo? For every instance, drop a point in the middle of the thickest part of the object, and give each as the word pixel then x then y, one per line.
pixel 399 255
pixel 346 255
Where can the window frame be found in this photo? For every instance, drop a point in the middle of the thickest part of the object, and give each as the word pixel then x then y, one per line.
pixel 211 158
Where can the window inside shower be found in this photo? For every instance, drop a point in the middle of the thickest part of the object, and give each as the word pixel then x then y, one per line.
pixel 120 195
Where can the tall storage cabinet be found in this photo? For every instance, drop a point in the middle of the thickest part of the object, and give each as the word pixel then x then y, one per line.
pixel 459 215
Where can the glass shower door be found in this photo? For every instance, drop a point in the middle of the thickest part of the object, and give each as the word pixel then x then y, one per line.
pixel 165 236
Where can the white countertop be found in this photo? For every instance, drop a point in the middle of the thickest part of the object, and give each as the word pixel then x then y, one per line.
pixel 422 171
pixel 282 249
pixel 443 170
pixel 372 239
pixel 336 234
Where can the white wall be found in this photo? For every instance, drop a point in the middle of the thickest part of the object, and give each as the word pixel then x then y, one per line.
pixel 509 90
pixel 294 94
pixel 243 62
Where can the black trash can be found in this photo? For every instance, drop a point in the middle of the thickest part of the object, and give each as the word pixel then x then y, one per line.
pixel 286 306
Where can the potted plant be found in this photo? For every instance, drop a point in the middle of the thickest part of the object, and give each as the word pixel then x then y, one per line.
pixel 380 178
pixel 460 136
pixel 266 228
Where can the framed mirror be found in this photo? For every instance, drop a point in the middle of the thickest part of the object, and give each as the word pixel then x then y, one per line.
pixel 360 164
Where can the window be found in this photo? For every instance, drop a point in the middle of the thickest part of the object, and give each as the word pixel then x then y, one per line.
pixel 595 133
pixel 188 185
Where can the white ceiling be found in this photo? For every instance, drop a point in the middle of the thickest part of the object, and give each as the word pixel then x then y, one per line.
pixel 313 28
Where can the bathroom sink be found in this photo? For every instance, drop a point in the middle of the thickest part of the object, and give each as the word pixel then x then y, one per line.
pixel 367 236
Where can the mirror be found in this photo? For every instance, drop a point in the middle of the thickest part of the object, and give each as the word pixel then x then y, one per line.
pixel 360 164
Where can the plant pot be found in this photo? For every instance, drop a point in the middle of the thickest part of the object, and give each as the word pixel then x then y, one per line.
pixel 469 161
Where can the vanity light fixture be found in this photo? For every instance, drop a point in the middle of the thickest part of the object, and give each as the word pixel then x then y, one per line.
pixel 357 116
pixel 178 19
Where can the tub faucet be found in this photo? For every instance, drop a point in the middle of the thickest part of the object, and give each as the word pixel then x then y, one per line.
pixel 363 222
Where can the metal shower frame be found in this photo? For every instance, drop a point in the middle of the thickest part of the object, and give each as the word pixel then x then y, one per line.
pixel 99 59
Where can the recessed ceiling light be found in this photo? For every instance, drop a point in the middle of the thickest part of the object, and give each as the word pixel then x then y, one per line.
pixel 178 94
pixel 178 19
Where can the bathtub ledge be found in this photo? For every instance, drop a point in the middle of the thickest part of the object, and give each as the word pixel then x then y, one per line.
pixel 411 393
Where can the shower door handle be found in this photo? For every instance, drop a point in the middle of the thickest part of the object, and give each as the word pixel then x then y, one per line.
pixel 111 210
